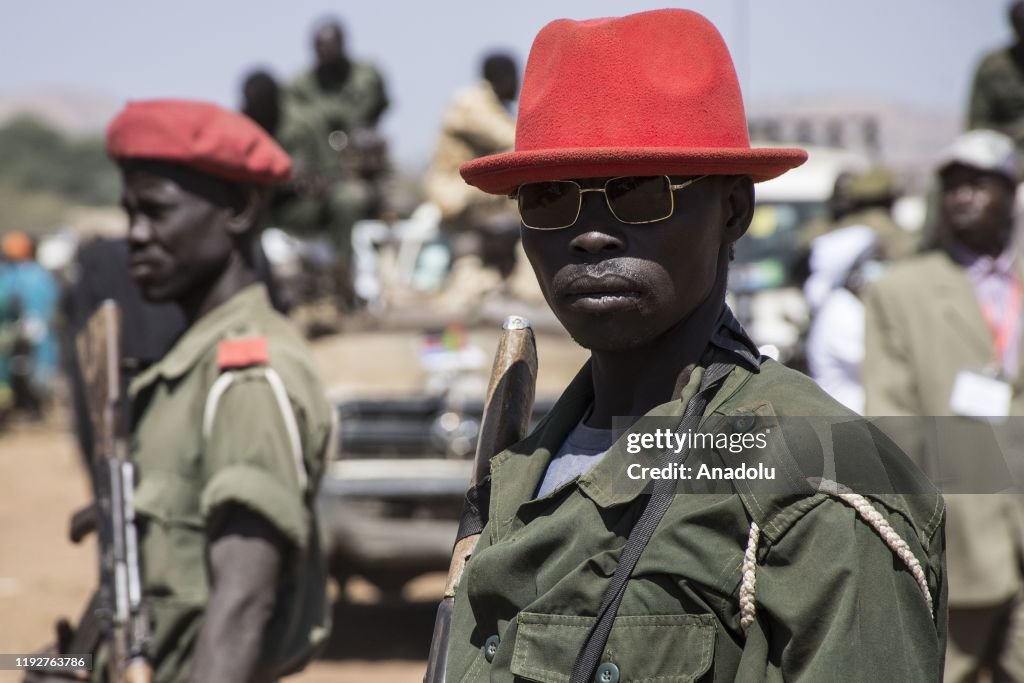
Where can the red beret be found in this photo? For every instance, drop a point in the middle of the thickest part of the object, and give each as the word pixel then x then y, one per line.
pixel 200 135
pixel 647 94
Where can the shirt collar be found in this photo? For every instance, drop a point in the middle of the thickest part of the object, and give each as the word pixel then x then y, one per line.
pixel 730 336
pixel 517 472
pixel 981 265
pixel 203 334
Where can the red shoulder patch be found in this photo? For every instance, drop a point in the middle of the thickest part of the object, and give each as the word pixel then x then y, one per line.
pixel 241 353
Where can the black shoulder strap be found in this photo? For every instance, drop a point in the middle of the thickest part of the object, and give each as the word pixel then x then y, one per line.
pixel 474 509
pixel 656 506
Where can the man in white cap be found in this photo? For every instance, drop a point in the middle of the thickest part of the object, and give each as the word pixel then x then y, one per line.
pixel 943 339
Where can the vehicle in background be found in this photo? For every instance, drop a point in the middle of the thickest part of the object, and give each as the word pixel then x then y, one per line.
pixel 391 501
pixel 764 290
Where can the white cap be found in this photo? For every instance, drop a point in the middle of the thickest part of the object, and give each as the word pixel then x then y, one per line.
pixel 986 150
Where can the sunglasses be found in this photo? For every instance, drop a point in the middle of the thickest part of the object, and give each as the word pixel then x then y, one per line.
pixel 556 204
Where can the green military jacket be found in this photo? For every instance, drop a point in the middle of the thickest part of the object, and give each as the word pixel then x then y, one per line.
pixel 358 103
pixel 193 460
pixel 310 114
pixel 997 95
pixel 832 601
pixel 304 135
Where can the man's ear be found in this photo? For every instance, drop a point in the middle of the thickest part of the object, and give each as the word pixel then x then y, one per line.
pixel 738 207
pixel 246 207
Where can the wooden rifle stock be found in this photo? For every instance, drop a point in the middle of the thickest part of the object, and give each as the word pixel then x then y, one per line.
pixel 120 609
pixel 506 419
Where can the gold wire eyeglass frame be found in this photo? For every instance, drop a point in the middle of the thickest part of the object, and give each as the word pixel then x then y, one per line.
pixel 515 194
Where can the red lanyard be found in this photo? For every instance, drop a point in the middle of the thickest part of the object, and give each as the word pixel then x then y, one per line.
pixel 1003 327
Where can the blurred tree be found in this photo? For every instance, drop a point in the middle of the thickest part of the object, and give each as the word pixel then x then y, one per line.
pixel 40 159
pixel 45 173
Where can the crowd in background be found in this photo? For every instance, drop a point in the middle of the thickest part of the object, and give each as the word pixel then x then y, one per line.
pixel 28 342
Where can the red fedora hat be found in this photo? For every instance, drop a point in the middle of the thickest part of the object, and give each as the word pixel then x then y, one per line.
pixel 647 94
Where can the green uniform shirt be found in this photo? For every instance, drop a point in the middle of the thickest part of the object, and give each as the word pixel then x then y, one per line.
pixel 358 103
pixel 304 135
pixel 997 95
pixel 184 479
pixel 833 602
pixel 310 115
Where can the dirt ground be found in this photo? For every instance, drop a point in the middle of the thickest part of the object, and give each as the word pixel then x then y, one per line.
pixel 44 576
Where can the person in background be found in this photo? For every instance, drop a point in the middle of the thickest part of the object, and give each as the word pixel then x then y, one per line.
pixel 8 330
pixel 997 94
pixel 328 121
pixel 478 122
pixel 316 199
pixel 482 229
pixel 36 294
pixel 838 206
pixel 835 341
pixel 943 339
pixel 345 94
pixel 870 197
pixel 861 200
pixel 299 132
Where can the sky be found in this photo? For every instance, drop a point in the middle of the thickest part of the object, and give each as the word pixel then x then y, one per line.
pixel 919 52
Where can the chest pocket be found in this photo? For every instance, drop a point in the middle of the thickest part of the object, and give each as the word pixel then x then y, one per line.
pixel 670 648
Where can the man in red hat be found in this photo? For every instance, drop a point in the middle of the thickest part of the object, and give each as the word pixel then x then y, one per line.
pixel 231 427
pixel 634 176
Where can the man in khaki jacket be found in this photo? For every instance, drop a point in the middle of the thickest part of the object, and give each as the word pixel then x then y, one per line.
pixel 943 338
pixel 477 123
pixel 483 229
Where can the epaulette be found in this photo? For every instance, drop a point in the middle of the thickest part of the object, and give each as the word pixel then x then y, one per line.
pixel 242 352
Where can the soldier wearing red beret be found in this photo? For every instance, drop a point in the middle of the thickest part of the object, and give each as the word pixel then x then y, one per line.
pixel 231 427
pixel 604 559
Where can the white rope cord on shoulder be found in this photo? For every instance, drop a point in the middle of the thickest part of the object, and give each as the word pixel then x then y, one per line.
pixel 748 585
pixel 867 512
pixel 284 405
pixel 213 400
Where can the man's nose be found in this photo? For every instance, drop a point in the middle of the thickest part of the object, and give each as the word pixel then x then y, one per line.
pixel 598 231
pixel 596 242
pixel 139 230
